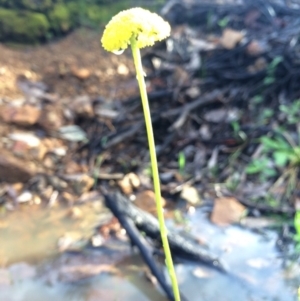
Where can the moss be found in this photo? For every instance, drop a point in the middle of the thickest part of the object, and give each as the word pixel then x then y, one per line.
pixel 60 18
pixel 22 26
pixel 101 15
pixel 33 5
pixel 38 5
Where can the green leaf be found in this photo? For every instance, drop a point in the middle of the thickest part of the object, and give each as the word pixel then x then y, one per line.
pixel 281 158
pixel 270 172
pixel 257 99
pixel 269 80
pixel 297 222
pixel 269 144
pixel 253 168
pixel 275 144
pixel 275 62
pixel 223 22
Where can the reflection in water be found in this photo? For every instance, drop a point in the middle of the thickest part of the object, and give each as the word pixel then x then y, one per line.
pixel 255 265
pixel 32 232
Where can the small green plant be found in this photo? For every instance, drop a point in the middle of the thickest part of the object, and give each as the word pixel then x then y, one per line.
pixel 271 69
pixel 291 112
pixel 181 162
pixel 139 28
pixel 223 22
pixel 282 151
pixel 261 166
pixel 297 228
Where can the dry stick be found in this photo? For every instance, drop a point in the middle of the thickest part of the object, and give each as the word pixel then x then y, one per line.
pixel 211 97
pixel 155 174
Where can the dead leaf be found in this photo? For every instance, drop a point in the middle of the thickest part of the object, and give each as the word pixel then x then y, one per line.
pixel 146 201
pixel 129 182
pixel 231 38
pixel 227 210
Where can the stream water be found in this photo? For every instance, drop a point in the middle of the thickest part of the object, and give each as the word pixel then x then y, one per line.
pixel 33 269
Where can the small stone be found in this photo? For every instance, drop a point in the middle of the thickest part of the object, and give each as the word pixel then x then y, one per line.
pixel 37 200
pixel 191 195
pixel 15 170
pixel 70 241
pixel 83 106
pixel 129 182
pixel 51 117
pixel 256 48
pixel 80 183
pixel 81 73
pixel 25 197
pixel 75 213
pixel 25 115
pixel 122 70
pixel 57 183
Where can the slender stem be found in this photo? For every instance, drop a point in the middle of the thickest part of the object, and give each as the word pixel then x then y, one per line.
pixel 156 182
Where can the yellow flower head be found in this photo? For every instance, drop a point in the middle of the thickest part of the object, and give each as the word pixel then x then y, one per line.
pixel 137 22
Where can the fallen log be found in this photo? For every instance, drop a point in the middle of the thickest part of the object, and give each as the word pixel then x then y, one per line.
pixel 182 246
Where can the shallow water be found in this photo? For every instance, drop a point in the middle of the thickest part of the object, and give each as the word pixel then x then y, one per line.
pixel 255 265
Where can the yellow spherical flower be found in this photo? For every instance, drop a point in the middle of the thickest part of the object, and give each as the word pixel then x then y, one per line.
pixel 137 22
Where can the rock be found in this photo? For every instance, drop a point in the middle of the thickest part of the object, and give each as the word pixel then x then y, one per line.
pixel 25 197
pixel 129 182
pixel 28 144
pixel 82 106
pixel 81 73
pixel 146 201
pixel 123 69
pixel 191 195
pixel 72 133
pixel 75 213
pixel 227 210
pixel 80 183
pixel 57 183
pixel 51 117
pixel 15 170
pixel 256 48
pixel 25 116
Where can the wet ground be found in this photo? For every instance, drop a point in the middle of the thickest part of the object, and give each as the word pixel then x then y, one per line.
pixel 258 270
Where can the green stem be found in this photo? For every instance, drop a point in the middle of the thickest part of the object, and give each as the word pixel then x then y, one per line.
pixel 156 182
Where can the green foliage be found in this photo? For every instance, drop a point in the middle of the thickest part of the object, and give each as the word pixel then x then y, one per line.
pixel 60 18
pixel 223 22
pixel 283 153
pixel 291 112
pixel 297 226
pixel 261 166
pixel 181 162
pixel 37 5
pixel 271 69
pixel 22 26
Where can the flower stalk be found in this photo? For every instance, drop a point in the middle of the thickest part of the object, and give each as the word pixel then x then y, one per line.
pixel 154 166
pixel 139 28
